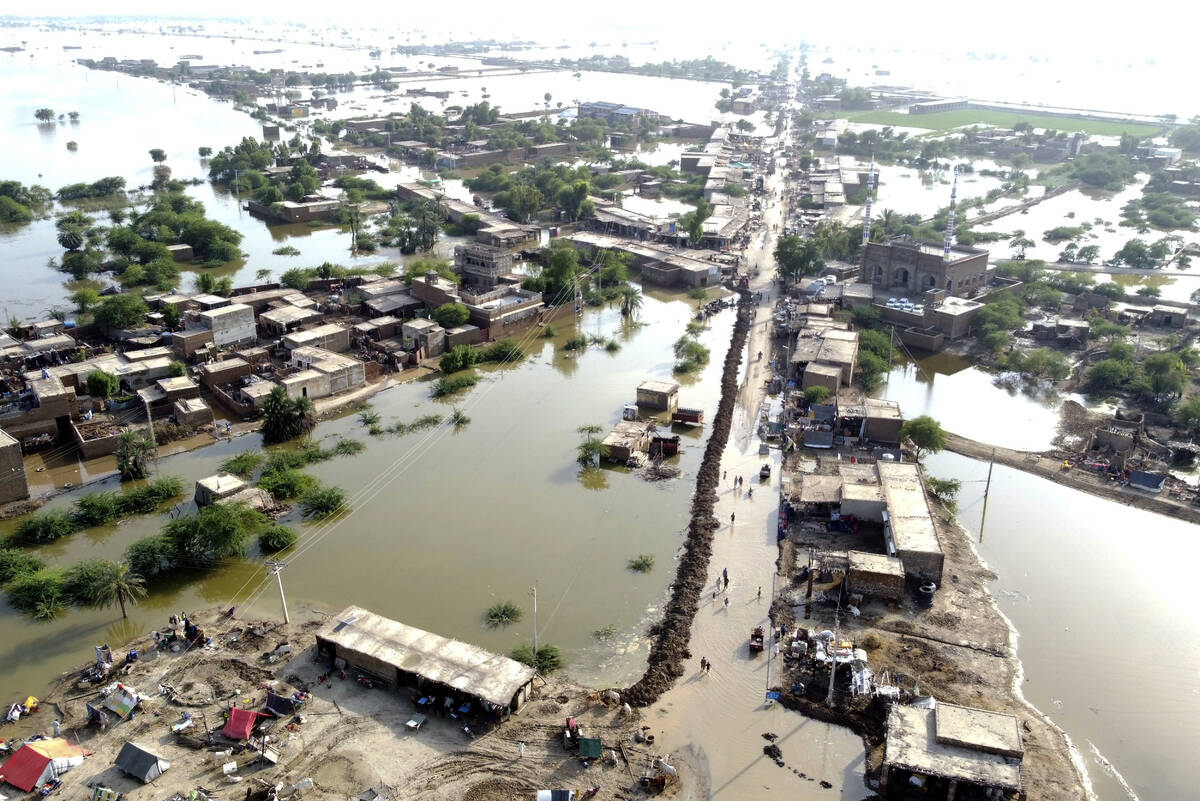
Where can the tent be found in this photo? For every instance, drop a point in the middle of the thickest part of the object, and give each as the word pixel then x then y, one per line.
pixel 241 722
pixel 279 706
pixel 40 761
pixel 141 763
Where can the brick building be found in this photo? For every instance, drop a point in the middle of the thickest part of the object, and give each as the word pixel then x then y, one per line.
pixel 917 267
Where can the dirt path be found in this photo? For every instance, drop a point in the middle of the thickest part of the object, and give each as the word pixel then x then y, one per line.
pixel 714 721
pixel 1049 466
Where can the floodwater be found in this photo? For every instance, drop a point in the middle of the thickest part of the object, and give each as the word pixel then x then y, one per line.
pixel 908 190
pixel 1101 594
pixel 444 524
pixel 967 401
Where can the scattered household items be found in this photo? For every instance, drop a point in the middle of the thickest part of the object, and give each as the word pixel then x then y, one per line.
pixel 140 762
pixel 416 721
pixel 41 761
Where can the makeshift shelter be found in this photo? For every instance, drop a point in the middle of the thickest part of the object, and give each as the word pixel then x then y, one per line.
pixel 402 655
pixel 40 761
pixel 122 701
pixel 279 706
pixel 97 715
pixel 241 723
pixel 140 762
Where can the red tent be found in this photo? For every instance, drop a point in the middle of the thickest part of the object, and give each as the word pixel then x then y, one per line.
pixel 40 761
pixel 241 721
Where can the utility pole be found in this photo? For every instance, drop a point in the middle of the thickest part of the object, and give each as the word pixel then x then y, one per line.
pixel 154 443
pixel 986 488
pixel 533 592
pixel 277 572
pixel 833 648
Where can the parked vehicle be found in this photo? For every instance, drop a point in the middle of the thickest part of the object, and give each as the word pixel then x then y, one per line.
pixel 756 640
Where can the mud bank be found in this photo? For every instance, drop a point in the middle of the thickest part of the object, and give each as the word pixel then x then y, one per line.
pixel 672 633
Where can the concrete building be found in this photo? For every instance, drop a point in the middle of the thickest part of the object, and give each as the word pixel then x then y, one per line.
pixel 331 336
pixel 482 265
pixel 915 267
pixel 13 484
pixel 230 325
pixel 426 336
pixel 322 373
pixel 825 346
pixel 658 395
pixel 286 319
pixel 214 488
pixel 875 575
pixel 883 422
pixel 952 751
pixel 909 532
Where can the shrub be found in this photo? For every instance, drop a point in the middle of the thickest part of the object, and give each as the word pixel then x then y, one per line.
pixel 101 384
pixel 506 350
pixel 460 357
pixel 95 509
pixel 449 385
pixel 321 502
pixel 244 464
pixel 43 527
pixel 459 418
pixel 276 537
pixel 150 556
pixel 33 592
pixel 547 659
pixel 576 342
pixel 177 369
pixel 816 394
pixel 348 447
pixel 150 496
pixel 14 562
pixel 643 563
pixel 286 484
pixel 503 613
pixel 451 315
pixel 549 332
pixel 79 581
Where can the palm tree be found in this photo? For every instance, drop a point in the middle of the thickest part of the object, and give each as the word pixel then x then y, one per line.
pixel 133 455
pixel 70 238
pixel 631 300
pixel 117 584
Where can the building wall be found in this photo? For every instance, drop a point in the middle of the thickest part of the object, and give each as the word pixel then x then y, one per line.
pixel 311 384
pixel 232 327
pixel 913 269
pixel 13 484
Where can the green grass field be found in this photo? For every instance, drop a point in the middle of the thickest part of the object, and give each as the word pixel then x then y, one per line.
pixel 944 121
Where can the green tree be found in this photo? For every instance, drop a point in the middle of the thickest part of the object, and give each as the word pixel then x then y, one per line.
pixel 133 455
pixel 120 311
pixel 101 384
pixel 1109 374
pixel 275 538
pixel 85 299
pixel 205 152
pixel 797 257
pixel 1187 415
pixel 547 659
pixel 285 418
pixel 116 584
pixel 71 238
pixel 1167 373
pixel 44 115
pixel 816 394
pixel 158 155
pixel 451 315
pixel 925 433
pixel 520 202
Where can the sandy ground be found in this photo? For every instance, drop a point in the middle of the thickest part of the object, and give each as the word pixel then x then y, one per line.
pixel 347 739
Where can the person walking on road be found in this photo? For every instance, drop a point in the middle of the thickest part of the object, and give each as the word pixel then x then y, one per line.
pixel 703 664
pixel 521 749
pixel 725 575
pixel 726 603
pixel 732 517
pixel 727 582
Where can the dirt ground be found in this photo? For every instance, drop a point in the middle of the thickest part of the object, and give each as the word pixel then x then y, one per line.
pixel 960 650
pixel 347 739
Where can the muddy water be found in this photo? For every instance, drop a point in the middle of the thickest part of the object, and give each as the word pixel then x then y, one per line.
pixel 455 521
pixel 1100 593
pixel 966 401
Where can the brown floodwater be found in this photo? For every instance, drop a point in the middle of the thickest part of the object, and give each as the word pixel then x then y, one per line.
pixel 445 523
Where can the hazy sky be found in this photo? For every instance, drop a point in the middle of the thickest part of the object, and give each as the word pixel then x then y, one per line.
pixel 1156 30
